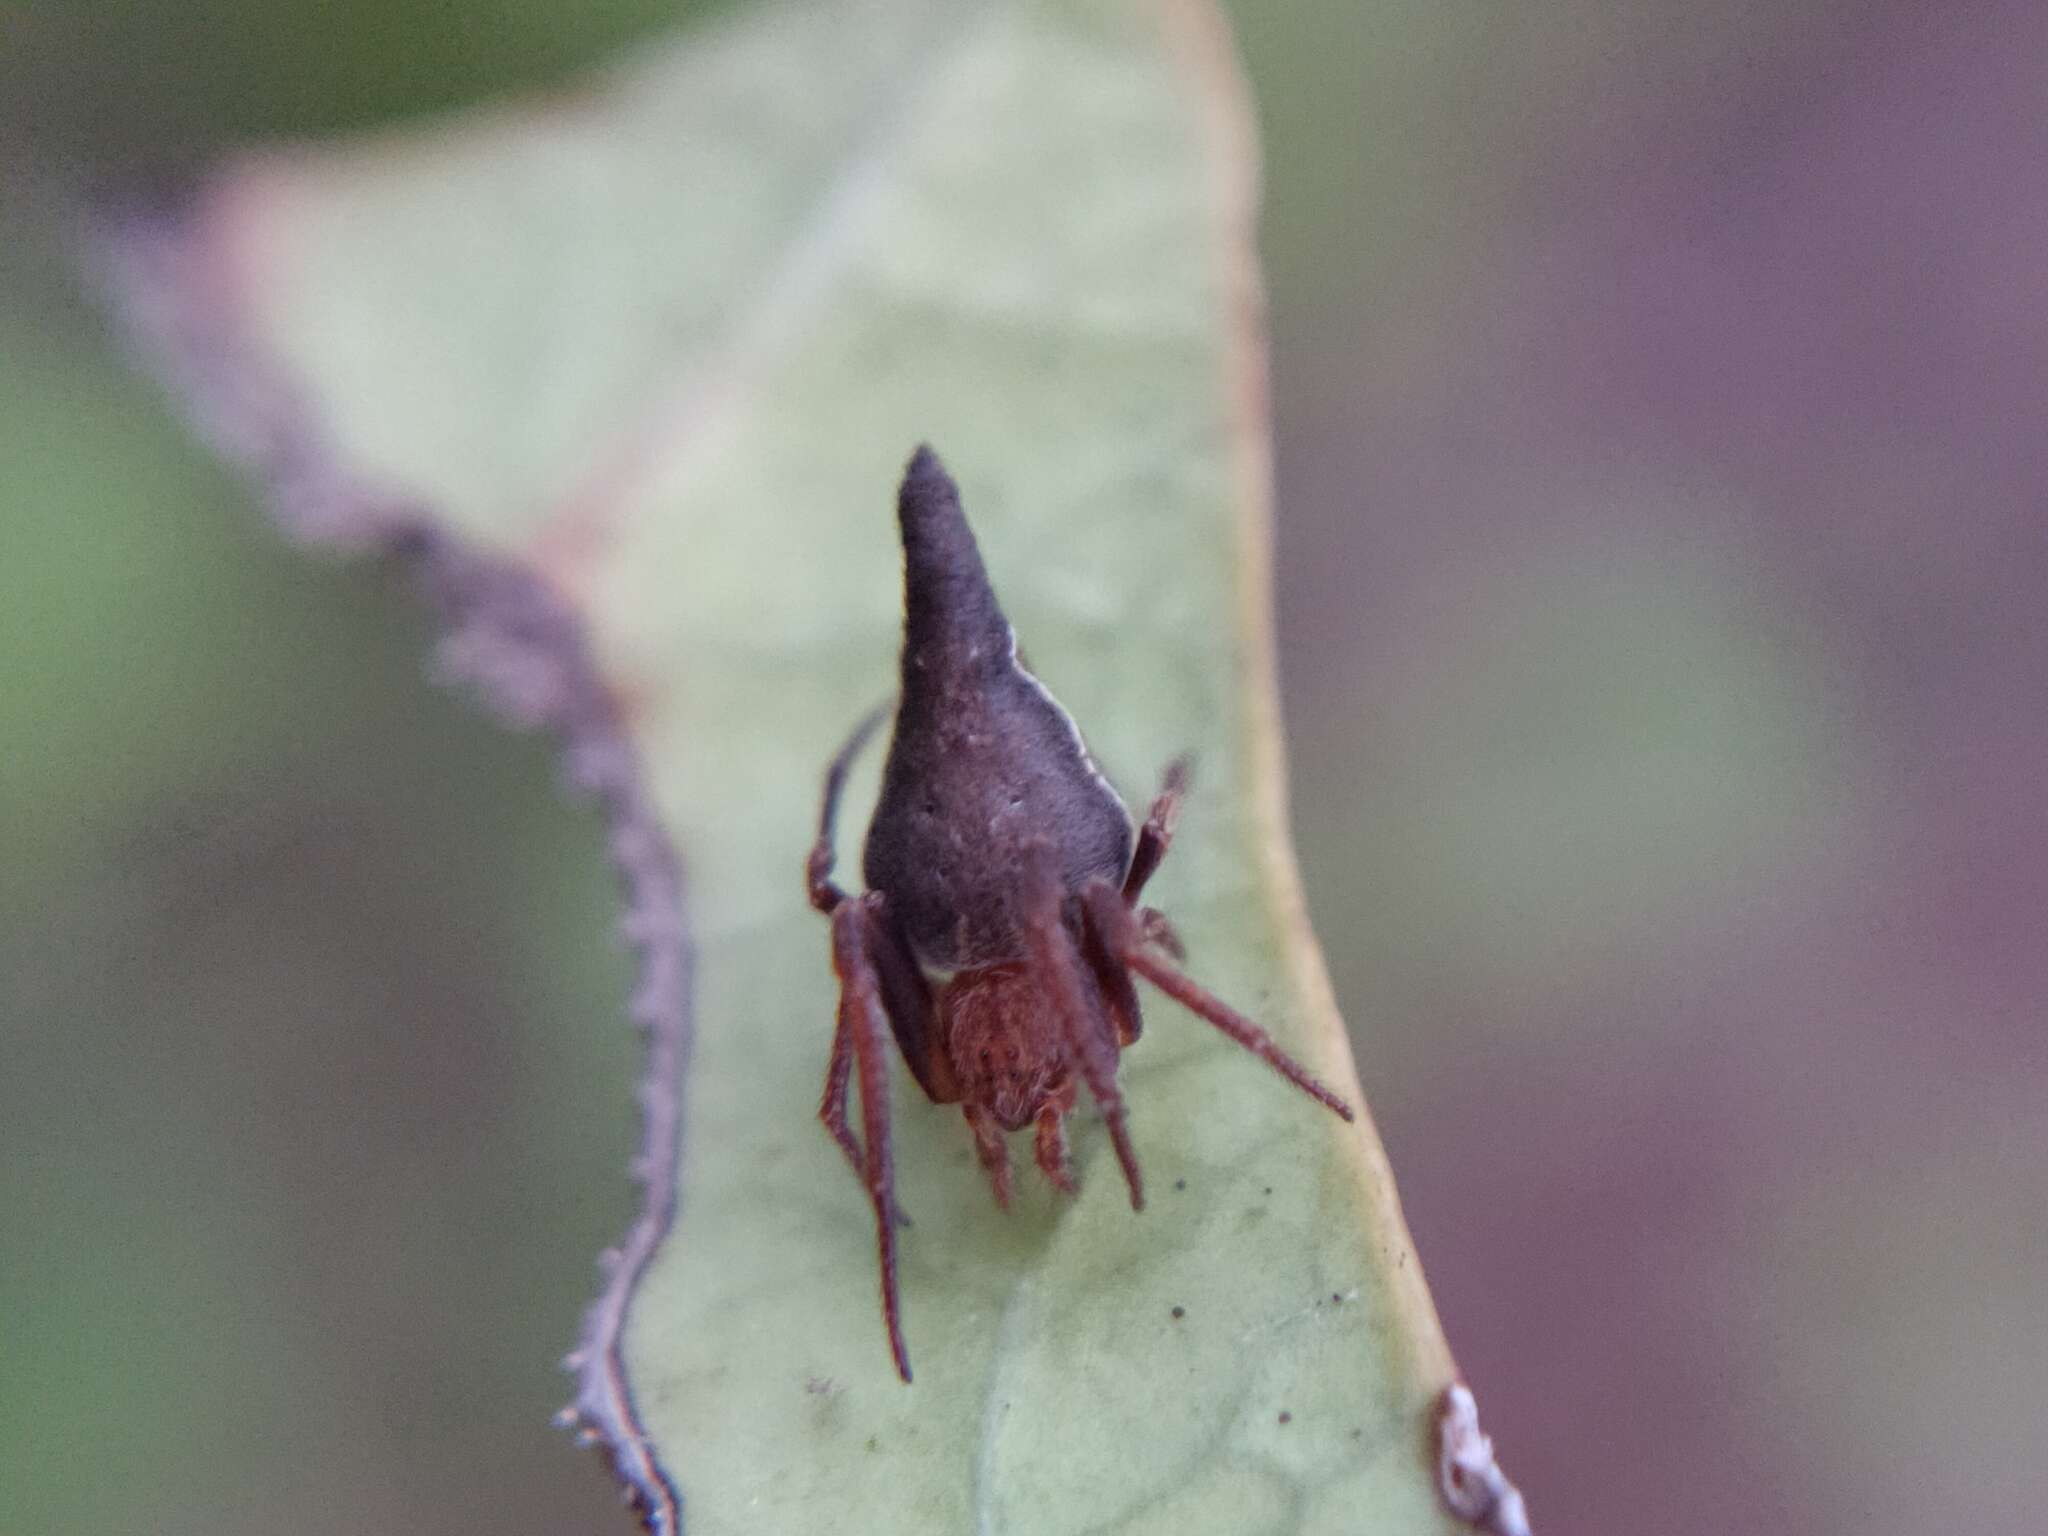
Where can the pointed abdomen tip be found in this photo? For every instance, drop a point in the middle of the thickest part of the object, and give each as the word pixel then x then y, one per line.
pixel 924 467
pixel 928 496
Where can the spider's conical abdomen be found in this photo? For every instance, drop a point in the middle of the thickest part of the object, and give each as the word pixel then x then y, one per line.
pixel 983 761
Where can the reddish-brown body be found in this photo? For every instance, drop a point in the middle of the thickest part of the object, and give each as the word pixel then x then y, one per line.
pixel 1000 928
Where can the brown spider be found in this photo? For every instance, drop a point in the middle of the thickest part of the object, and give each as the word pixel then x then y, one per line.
pixel 1000 925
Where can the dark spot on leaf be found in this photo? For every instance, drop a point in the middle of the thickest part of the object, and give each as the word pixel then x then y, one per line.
pixel 1180 1183
pixel 1286 1417
pixel 1180 1312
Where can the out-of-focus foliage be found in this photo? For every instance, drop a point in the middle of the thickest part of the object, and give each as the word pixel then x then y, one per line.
pixel 1659 397
pixel 293 1073
pixel 127 83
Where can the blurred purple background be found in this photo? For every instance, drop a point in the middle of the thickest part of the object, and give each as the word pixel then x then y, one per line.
pixel 1664 542
pixel 1665 607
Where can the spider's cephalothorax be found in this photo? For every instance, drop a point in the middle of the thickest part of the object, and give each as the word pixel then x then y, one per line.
pixel 1000 928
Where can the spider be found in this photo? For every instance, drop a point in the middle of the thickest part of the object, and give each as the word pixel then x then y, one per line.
pixel 1001 926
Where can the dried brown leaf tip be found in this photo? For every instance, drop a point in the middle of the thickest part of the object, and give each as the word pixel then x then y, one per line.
pixel 1000 933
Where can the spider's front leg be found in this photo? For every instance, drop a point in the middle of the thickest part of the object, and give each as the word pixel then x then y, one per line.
pixel 860 1044
pixel 1077 1001
pixel 1122 935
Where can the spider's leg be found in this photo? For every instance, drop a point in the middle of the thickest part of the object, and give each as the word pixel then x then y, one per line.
pixel 1112 980
pixel 1052 1140
pixel 994 1155
pixel 1156 836
pixel 1077 999
pixel 876 950
pixel 832 1109
pixel 907 1002
pixel 1158 930
pixel 866 1032
pixel 1123 937
pixel 825 895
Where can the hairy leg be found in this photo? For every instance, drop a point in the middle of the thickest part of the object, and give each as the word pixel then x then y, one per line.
pixel 1123 937
pixel 866 1032
pixel 1156 836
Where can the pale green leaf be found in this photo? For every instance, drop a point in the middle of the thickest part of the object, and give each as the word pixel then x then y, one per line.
pixel 664 344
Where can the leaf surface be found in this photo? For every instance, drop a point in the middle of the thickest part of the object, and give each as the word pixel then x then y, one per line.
pixel 634 370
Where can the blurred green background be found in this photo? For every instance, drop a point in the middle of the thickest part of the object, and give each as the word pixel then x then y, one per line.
pixel 1664 547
